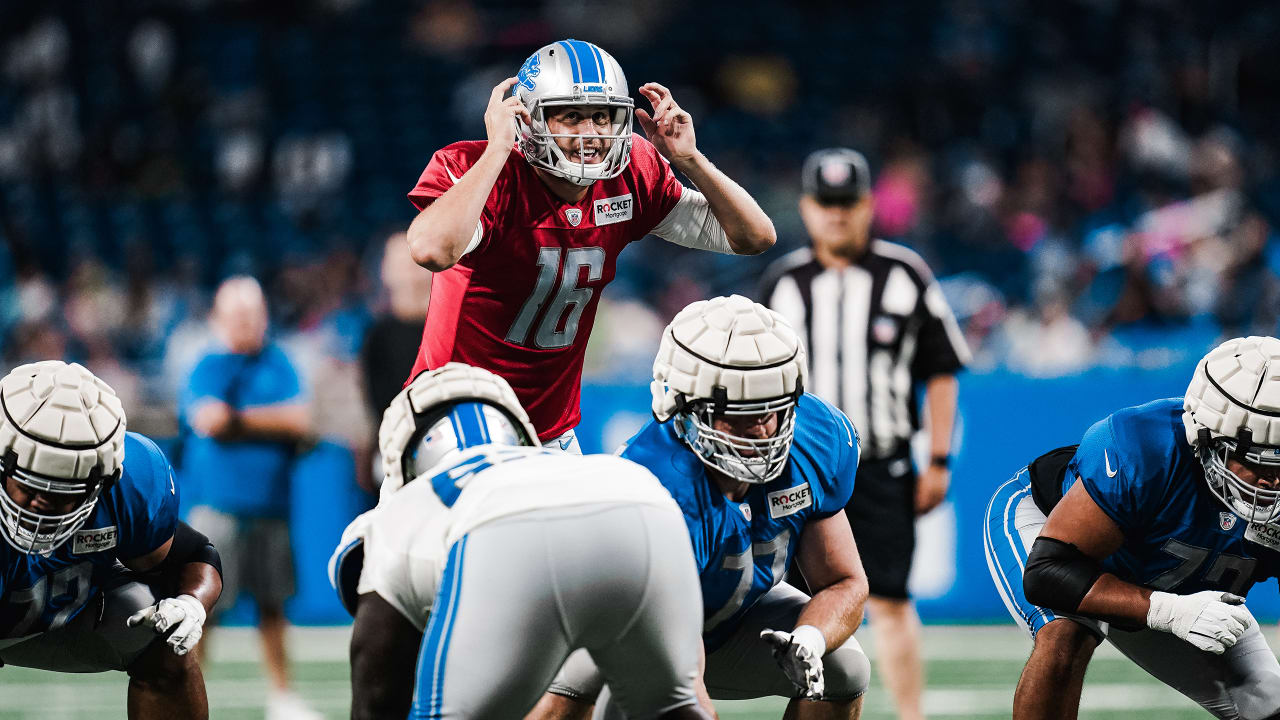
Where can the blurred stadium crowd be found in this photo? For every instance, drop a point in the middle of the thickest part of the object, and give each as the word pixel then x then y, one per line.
pixel 1095 181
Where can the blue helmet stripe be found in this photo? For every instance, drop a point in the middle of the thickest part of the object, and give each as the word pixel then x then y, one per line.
pixel 603 69
pixel 468 423
pixel 590 70
pixel 459 434
pixel 573 60
pixel 484 425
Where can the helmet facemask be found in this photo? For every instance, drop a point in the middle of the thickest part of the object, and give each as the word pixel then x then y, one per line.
pixel 36 533
pixel 747 460
pixel 1250 502
pixel 612 145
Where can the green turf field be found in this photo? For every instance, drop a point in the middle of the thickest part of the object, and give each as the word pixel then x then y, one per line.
pixel 971 674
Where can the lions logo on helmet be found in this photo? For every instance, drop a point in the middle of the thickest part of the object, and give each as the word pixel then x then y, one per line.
pixel 730 356
pixel 573 72
pixel 443 412
pixel 1231 411
pixel 61 439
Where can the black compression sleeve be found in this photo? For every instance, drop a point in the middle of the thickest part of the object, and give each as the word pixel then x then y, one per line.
pixel 189 545
pixel 1058 575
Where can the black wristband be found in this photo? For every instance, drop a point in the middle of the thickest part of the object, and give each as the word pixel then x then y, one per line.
pixel 942 461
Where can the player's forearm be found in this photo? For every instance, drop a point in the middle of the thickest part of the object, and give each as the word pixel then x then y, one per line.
pixel 439 235
pixel 748 228
pixel 384 648
pixel 941 394
pixel 274 422
pixel 1116 601
pixel 836 610
pixel 201 581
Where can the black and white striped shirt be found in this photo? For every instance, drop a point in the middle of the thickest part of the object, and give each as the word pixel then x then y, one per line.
pixel 872 330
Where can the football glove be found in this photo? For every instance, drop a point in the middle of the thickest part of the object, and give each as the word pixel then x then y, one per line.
pixel 184 614
pixel 1212 621
pixel 799 654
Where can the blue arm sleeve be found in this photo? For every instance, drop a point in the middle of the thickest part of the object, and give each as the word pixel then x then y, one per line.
pixel 147 499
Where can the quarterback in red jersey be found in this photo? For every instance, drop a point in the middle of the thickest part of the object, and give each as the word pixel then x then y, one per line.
pixel 524 229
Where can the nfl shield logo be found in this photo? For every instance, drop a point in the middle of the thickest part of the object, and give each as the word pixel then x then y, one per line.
pixel 573 215
pixel 746 511
pixel 1226 520
pixel 885 330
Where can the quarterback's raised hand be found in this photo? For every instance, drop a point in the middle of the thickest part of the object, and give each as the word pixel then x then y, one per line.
pixel 1212 621
pixel 502 116
pixel 799 654
pixel 183 613
pixel 669 128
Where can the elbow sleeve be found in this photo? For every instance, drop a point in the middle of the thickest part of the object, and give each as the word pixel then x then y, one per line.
pixel 1058 575
pixel 189 545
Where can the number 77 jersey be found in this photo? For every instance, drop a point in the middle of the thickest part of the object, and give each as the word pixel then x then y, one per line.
pixel 1138 467
pixel 744 548
pixel 522 300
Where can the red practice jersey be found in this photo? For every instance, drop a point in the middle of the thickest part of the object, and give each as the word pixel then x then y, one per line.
pixel 521 304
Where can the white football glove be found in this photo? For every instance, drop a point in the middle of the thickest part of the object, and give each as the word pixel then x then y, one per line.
pixel 184 614
pixel 1211 620
pixel 799 654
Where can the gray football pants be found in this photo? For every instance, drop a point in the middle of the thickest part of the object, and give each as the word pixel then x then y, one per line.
pixel 96 640
pixel 1243 683
pixel 743 667
pixel 520 593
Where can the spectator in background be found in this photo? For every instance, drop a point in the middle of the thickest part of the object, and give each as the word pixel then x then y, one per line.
pixel 244 406
pixel 875 324
pixel 391 343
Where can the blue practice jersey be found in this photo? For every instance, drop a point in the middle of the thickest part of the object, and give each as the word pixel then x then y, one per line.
pixel 1139 468
pixel 744 548
pixel 136 516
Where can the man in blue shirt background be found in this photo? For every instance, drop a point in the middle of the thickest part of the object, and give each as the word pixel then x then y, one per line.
pixel 246 412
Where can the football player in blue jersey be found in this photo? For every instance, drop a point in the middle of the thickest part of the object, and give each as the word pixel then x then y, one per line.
pixel 1149 533
pixel 96 565
pixel 761 471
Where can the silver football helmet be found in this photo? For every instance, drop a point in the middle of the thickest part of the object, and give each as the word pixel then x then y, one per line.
pixel 61 439
pixel 1231 411
pixel 733 357
pixel 573 72
pixel 444 412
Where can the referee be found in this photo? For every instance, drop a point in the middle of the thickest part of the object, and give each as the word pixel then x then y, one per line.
pixel 875 325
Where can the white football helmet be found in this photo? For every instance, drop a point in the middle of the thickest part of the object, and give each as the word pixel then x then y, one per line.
pixel 730 356
pixel 573 72
pixel 443 412
pixel 61 436
pixel 1232 411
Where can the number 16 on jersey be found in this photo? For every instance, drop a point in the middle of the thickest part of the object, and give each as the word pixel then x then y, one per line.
pixel 568 296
